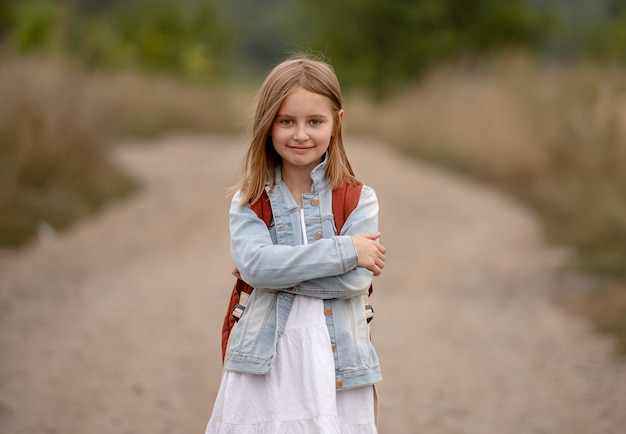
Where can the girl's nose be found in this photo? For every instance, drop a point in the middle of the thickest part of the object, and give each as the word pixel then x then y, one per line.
pixel 301 135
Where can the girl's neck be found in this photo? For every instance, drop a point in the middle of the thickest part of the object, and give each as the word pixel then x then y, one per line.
pixel 298 182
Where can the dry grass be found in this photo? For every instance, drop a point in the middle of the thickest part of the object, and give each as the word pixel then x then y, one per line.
pixel 55 121
pixel 554 137
pixel 140 105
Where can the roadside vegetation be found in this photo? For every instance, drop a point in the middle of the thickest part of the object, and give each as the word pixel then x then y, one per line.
pixel 57 122
pixel 555 138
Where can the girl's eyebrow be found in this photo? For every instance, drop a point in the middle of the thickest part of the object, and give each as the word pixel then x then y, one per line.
pixel 285 115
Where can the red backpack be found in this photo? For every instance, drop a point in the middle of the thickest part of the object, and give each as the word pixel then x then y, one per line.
pixel 345 200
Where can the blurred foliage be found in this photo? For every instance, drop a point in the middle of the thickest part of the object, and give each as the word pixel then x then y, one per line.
pixel 186 39
pixel 56 121
pixel 35 25
pixel 608 42
pixel 261 43
pixel 554 138
pixel 378 44
pixel 53 168
pixel 372 43
pixel 573 25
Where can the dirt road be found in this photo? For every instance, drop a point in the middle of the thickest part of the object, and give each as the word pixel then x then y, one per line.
pixel 113 327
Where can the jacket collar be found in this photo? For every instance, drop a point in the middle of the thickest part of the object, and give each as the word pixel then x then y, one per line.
pixel 318 176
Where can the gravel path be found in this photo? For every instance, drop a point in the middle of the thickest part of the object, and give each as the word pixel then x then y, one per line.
pixel 113 327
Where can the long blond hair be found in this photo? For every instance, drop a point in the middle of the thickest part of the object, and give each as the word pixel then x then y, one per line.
pixel 261 159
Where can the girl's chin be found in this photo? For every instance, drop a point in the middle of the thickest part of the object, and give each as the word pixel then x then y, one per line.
pixel 303 163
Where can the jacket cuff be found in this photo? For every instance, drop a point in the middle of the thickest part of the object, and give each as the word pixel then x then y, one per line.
pixel 347 252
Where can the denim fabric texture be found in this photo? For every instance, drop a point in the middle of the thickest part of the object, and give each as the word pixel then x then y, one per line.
pixel 276 263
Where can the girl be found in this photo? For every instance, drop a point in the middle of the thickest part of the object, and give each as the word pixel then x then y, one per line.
pixel 300 359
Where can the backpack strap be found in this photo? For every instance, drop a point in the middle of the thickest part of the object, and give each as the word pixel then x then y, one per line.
pixel 263 210
pixel 345 200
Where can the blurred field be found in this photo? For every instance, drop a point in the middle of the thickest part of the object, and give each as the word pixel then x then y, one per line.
pixel 555 137
pixel 55 123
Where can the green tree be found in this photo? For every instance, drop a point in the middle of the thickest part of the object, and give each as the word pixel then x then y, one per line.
pixel 33 25
pixel 381 43
pixel 608 42
pixel 164 36
pixel 184 38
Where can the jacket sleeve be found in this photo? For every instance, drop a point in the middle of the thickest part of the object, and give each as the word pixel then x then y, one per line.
pixel 326 268
pixel 265 265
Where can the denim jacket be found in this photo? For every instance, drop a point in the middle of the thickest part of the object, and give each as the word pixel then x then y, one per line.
pixel 275 262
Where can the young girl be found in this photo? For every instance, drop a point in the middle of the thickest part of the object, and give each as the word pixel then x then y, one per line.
pixel 300 359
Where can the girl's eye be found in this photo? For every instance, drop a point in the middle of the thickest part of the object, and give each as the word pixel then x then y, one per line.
pixel 285 121
pixel 315 122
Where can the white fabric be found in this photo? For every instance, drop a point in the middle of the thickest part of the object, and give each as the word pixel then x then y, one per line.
pixel 298 395
pixel 305 240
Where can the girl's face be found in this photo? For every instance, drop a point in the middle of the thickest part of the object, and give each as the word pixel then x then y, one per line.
pixel 302 130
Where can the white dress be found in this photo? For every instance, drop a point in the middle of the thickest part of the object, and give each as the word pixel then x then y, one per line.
pixel 298 394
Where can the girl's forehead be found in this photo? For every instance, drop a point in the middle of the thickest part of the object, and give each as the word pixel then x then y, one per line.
pixel 301 99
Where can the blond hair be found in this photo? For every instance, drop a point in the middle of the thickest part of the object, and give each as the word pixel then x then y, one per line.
pixel 261 159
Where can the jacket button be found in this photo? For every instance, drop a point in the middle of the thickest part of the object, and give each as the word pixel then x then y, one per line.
pixel 315 201
pixel 328 310
pixel 333 346
pixel 317 235
pixel 339 382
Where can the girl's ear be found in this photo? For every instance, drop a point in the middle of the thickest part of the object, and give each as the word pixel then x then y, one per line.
pixel 340 115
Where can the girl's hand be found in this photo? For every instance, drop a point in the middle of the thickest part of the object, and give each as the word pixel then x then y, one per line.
pixel 370 254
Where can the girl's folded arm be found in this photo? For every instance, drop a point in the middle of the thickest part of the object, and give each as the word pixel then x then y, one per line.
pixel 364 219
pixel 325 269
pixel 263 264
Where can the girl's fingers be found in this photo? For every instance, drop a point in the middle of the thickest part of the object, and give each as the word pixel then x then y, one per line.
pixel 370 253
